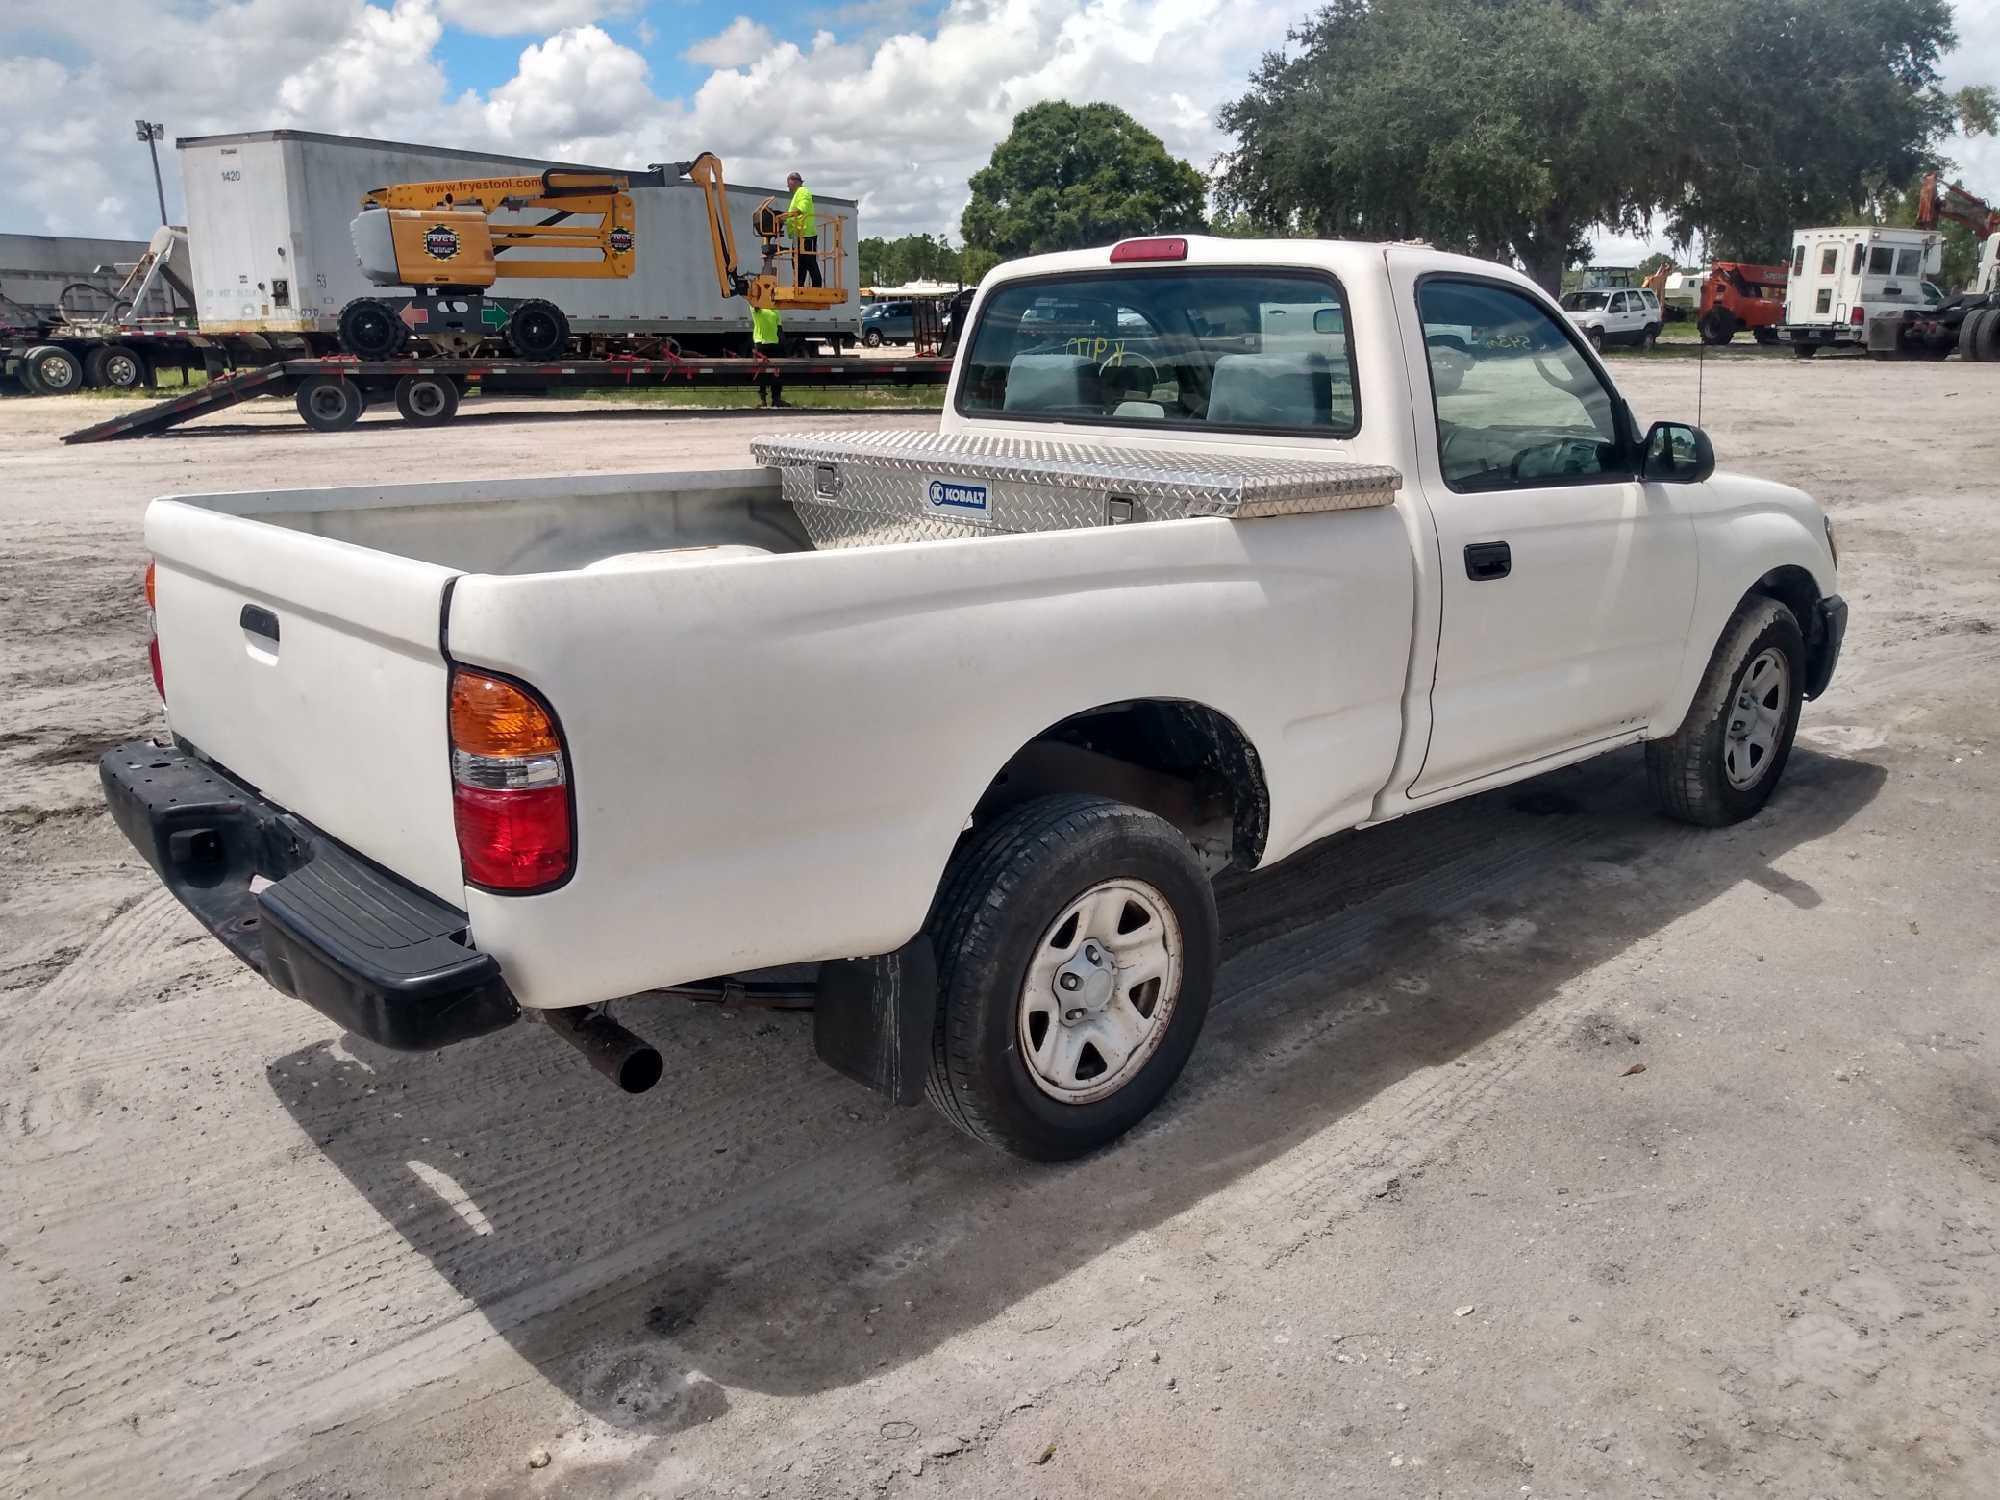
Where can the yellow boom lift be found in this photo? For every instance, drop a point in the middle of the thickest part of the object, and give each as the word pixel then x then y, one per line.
pixel 441 240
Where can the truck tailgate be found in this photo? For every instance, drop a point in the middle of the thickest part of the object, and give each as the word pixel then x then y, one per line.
pixel 313 670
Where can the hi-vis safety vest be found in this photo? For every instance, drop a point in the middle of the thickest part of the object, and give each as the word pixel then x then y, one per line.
pixel 763 325
pixel 799 217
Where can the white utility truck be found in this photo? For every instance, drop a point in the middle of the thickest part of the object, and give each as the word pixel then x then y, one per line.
pixel 967 719
pixel 1846 280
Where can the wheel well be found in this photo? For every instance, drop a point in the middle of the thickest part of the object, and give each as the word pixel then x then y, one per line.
pixel 1794 588
pixel 1184 761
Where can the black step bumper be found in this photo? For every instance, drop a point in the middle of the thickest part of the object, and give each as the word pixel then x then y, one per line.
pixel 387 961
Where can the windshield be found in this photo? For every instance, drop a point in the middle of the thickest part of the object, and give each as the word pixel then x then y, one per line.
pixel 1256 350
pixel 1584 301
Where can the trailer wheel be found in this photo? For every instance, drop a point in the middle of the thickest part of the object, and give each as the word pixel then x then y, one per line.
pixel 370 329
pixel 1718 327
pixel 1076 946
pixel 1986 338
pixel 538 330
pixel 427 400
pixel 51 370
pixel 115 366
pixel 330 403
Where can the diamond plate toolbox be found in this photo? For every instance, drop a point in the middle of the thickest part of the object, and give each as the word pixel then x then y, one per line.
pixel 860 488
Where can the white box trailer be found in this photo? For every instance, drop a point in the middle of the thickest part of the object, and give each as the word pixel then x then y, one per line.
pixel 1844 278
pixel 268 215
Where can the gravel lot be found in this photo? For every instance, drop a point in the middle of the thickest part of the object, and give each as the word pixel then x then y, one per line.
pixel 1412 1225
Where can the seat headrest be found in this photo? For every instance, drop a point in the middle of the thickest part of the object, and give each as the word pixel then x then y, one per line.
pixel 1272 390
pixel 1043 382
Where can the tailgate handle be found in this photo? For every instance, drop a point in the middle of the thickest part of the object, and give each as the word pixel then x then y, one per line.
pixel 259 621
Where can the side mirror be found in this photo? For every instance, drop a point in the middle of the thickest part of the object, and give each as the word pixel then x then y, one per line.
pixel 1677 453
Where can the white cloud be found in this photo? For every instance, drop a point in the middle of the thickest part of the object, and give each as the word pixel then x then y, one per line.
pixel 530 17
pixel 741 41
pixel 897 118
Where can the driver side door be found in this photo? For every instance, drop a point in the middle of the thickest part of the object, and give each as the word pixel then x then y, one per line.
pixel 1566 584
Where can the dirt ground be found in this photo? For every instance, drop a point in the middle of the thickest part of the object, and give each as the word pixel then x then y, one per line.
pixel 1413 1224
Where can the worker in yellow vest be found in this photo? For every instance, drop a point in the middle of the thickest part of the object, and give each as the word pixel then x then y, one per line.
pixel 804 230
pixel 768 337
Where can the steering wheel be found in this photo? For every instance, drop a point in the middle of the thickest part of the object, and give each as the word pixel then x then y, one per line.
pixel 1119 359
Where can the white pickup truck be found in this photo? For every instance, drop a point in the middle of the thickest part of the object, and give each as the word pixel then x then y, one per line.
pixel 1218 551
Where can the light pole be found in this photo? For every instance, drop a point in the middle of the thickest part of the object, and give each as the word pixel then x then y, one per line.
pixel 150 134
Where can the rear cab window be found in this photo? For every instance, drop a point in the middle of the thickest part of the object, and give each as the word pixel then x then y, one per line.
pixel 1229 349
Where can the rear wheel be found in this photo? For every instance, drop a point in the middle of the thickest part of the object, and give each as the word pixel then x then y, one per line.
pixel 1986 338
pixel 1721 765
pixel 1076 941
pixel 370 329
pixel 1968 333
pixel 51 370
pixel 116 367
pixel 329 403
pixel 1596 337
pixel 427 400
pixel 1649 336
pixel 1765 336
pixel 1805 351
pixel 537 330
pixel 872 338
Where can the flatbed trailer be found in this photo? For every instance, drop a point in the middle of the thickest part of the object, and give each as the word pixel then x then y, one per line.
pixel 331 394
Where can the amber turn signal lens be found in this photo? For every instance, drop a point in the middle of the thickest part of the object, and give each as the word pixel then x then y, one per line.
pixel 150 567
pixel 492 717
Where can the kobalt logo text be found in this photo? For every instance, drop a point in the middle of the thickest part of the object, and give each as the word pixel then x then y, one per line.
pixel 946 496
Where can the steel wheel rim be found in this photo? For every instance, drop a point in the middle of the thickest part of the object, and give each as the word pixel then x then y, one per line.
pixel 426 399
pixel 121 370
pixel 57 373
pixel 1757 711
pixel 328 401
pixel 1100 991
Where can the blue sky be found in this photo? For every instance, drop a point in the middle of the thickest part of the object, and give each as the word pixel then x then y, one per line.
pixel 892 102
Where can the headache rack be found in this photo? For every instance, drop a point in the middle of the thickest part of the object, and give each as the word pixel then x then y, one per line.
pixel 856 489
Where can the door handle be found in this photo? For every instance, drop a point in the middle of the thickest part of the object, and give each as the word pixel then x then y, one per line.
pixel 1485 561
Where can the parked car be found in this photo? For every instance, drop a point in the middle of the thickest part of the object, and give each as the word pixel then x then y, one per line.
pixel 1622 316
pixel 1846 279
pixel 966 718
pixel 887 323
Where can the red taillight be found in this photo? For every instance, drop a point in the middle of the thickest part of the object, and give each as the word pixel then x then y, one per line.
pixel 153 632
pixel 1857 317
pixel 510 787
pixel 1158 248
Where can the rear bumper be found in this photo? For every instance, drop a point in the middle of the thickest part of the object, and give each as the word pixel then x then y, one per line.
pixel 387 961
pixel 1824 633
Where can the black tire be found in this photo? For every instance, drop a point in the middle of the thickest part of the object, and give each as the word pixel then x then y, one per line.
pixel 1595 337
pixel 51 370
pixel 1689 770
pixel 1649 336
pixel 116 368
pixel 1968 333
pixel 872 338
pixel 1805 351
pixel 1986 338
pixel 427 400
pixel 329 403
pixel 1000 896
pixel 1718 326
pixel 1765 336
pixel 370 329
pixel 537 330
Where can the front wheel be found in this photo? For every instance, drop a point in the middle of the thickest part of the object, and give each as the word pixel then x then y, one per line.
pixel 1718 327
pixel 1076 940
pixel 329 403
pixel 51 370
pixel 1722 764
pixel 537 330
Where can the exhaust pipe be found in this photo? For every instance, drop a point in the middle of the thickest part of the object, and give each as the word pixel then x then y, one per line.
pixel 628 1060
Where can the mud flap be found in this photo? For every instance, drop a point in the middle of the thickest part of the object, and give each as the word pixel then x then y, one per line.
pixel 873 1017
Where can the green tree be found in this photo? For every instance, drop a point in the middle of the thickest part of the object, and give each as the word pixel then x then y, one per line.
pixel 1509 127
pixel 1071 175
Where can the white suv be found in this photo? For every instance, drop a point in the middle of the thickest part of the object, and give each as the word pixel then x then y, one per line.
pixel 1615 316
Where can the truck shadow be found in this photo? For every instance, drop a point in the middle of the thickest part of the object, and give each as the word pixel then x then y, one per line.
pixel 759 1223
